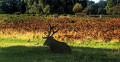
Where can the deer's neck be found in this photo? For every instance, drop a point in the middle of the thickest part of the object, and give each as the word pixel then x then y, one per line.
pixel 52 41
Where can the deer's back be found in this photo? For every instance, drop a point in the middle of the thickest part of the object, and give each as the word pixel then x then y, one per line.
pixel 60 47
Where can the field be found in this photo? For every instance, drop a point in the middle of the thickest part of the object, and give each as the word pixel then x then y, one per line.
pixel 23 51
pixel 92 39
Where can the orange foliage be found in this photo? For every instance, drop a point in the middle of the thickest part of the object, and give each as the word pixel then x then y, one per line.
pixel 106 28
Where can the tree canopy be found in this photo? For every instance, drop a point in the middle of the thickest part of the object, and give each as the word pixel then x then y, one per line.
pixel 39 6
pixel 59 6
pixel 77 8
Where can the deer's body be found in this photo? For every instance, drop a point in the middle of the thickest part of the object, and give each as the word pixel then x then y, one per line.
pixel 54 45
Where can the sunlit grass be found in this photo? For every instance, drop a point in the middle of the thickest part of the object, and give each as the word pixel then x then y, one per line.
pixel 18 49
pixel 6 42
pixel 16 38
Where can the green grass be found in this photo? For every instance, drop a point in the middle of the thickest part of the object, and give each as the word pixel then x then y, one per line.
pixel 102 44
pixel 18 50
pixel 6 42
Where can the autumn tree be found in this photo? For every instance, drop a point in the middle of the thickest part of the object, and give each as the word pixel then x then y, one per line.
pixel 77 8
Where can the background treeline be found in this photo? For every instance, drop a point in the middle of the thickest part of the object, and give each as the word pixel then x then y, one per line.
pixel 59 7
pixel 39 6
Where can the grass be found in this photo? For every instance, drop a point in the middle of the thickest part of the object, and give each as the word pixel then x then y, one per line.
pixel 7 42
pixel 18 50
pixel 95 44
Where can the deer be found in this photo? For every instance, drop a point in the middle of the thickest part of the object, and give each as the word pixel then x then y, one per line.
pixel 54 45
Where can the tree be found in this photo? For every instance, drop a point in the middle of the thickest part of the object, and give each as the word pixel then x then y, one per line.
pixel 34 6
pixel 95 8
pixel 87 10
pixel 9 6
pixel 77 8
pixel 98 8
pixel 46 10
pixel 116 9
pixel 82 2
pixel 101 5
pixel 90 2
pixel 110 5
pixel 12 6
pixel 57 6
pixel 68 6
pixel 1 12
pixel 21 7
pixel 37 6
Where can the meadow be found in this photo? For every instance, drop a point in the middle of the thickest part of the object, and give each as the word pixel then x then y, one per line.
pixel 92 39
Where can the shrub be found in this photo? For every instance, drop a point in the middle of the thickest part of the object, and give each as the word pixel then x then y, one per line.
pixel 17 13
pixel 77 8
pixel 116 9
pixel 79 14
pixel 46 10
pixel 87 10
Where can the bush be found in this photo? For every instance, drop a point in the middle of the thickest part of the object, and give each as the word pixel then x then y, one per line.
pixel 79 14
pixel 46 10
pixel 77 8
pixel 116 9
pixel 87 10
pixel 17 13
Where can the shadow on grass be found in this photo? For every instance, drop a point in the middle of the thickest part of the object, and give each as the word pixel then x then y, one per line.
pixel 41 54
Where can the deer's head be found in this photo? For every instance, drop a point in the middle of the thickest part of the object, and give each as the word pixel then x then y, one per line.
pixel 49 37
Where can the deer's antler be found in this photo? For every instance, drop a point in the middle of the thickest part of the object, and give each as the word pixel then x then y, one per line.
pixel 54 30
pixel 49 31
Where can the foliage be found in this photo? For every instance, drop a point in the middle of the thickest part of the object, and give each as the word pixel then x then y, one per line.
pixel 33 7
pixel 37 6
pixel 46 10
pixel 77 8
pixel 90 2
pixel 116 9
pixel 88 10
pixel 101 5
pixel 11 6
pixel 110 5
pixel 98 28
pixel 98 8
pixel 80 14
pixel 57 6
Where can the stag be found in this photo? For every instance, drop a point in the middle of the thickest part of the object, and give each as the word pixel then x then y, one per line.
pixel 54 45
